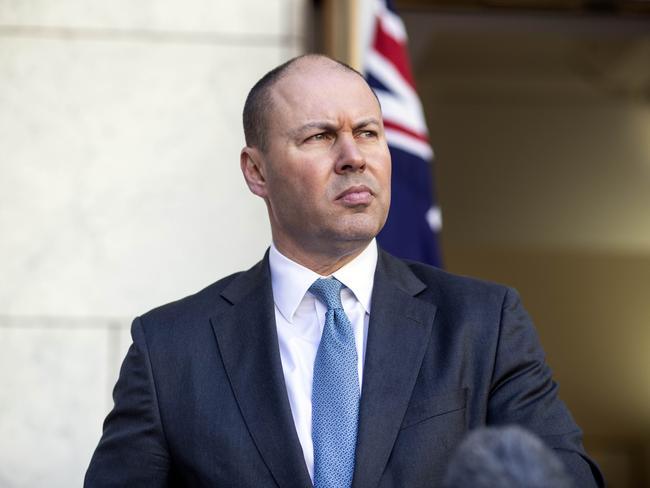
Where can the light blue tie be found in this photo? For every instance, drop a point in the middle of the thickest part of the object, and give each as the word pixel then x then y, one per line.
pixel 335 393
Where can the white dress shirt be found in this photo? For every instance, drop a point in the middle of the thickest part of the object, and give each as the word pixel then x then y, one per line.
pixel 300 318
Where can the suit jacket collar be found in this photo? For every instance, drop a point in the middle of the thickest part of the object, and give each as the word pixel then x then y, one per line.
pixel 398 334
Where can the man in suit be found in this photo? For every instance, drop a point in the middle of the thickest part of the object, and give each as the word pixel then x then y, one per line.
pixel 329 363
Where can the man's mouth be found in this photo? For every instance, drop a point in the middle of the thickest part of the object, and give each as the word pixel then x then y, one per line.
pixel 356 195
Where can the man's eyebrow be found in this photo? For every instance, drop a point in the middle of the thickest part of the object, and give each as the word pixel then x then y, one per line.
pixel 318 124
pixel 329 126
pixel 367 122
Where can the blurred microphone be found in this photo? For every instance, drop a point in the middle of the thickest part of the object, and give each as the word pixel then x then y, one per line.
pixel 505 457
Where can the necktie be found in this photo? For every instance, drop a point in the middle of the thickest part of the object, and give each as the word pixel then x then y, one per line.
pixel 335 393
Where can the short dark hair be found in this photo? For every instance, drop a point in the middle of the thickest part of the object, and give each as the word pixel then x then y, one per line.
pixel 258 102
pixel 506 457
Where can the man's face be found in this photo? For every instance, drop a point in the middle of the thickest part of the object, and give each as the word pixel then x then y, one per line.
pixel 327 166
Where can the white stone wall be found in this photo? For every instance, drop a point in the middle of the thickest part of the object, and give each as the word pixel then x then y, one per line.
pixel 120 131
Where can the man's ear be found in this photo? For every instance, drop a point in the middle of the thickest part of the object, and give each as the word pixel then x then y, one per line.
pixel 252 163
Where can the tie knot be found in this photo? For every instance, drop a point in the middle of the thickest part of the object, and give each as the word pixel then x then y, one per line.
pixel 328 291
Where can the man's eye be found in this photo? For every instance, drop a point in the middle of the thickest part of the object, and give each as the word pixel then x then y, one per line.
pixel 368 134
pixel 318 137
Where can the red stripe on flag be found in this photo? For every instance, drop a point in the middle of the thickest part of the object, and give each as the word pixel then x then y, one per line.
pixel 398 127
pixel 393 51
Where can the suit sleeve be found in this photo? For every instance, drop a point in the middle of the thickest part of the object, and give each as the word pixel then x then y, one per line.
pixel 132 451
pixel 523 392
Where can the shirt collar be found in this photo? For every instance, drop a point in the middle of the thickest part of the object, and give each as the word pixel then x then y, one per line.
pixel 359 274
pixel 291 281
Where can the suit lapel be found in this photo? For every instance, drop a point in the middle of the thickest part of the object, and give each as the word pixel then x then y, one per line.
pixel 247 339
pixel 398 335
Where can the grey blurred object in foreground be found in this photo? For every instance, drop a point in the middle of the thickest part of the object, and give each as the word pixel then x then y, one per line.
pixel 505 457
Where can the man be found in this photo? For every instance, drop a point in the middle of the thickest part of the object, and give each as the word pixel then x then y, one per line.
pixel 329 362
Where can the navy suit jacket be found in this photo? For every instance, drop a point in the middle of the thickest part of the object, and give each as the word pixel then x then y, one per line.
pixel 201 399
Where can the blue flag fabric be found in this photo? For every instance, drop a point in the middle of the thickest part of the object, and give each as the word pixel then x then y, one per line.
pixel 414 220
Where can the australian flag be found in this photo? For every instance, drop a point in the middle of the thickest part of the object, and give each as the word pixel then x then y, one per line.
pixel 414 220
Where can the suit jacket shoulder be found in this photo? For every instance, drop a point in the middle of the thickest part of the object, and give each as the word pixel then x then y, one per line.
pixel 452 288
pixel 208 302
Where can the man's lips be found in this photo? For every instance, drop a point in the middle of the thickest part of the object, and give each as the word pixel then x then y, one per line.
pixel 356 195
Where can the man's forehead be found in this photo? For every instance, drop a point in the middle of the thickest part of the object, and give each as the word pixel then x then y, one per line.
pixel 317 87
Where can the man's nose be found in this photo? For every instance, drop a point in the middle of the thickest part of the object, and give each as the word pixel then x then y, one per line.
pixel 350 157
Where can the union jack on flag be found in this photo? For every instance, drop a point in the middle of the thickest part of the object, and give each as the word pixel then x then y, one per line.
pixel 414 220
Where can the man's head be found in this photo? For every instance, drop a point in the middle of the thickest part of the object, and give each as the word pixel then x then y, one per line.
pixel 317 154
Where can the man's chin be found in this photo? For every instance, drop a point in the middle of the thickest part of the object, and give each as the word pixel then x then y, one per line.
pixel 358 230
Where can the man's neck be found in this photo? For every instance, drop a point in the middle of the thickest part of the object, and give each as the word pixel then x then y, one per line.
pixel 322 263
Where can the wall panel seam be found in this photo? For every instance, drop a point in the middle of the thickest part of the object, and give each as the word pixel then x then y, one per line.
pixel 148 36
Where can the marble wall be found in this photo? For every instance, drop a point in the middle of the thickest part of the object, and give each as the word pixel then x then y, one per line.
pixel 119 190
